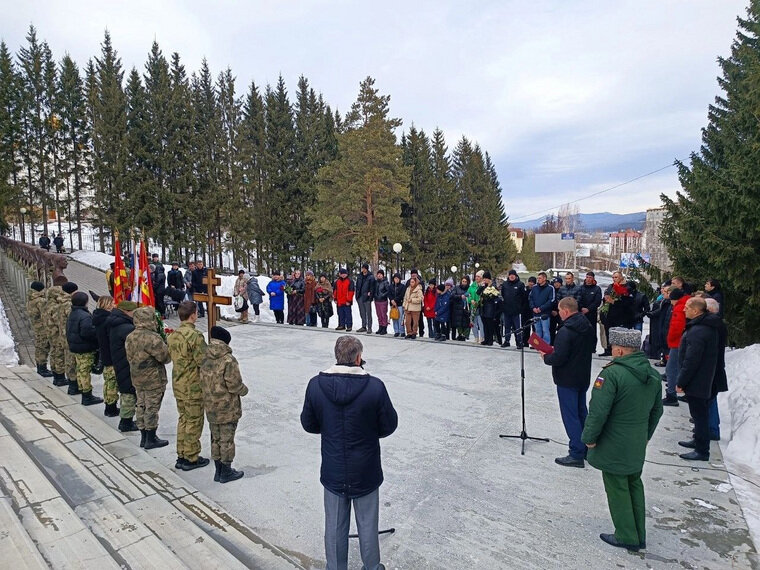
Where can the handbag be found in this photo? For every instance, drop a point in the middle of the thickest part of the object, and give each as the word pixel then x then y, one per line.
pixel 239 303
pixel 395 313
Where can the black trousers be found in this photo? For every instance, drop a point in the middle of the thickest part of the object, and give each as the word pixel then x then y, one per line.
pixel 699 410
pixel 279 316
pixel 441 329
pixel 489 326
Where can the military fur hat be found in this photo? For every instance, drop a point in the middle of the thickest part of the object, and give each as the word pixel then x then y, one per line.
pixel 627 338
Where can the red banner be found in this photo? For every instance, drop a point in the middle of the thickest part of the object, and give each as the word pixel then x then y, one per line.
pixel 121 288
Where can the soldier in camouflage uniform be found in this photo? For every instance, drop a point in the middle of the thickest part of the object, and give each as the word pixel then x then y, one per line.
pixel 147 354
pixel 62 312
pixel 187 347
pixel 35 309
pixel 222 387
pixel 58 344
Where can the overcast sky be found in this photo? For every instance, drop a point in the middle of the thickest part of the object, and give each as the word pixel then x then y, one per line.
pixel 568 97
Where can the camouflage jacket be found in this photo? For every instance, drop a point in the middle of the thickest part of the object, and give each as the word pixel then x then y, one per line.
pixel 187 347
pixel 147 353
pixel 36 306
pixel 222 384
pixel 55 298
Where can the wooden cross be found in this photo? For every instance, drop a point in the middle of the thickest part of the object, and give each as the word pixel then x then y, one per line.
pixel 211 298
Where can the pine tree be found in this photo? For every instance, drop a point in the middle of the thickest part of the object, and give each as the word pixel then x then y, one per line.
pixel 138 210
pixel 109 130
pixel 72 106
pixel 10 136
pixel 420 212
pixel 712 228
pixel 230 200
pixel 361 192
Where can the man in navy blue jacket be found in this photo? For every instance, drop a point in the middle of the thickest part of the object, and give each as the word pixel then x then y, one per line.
pixel 352 411
pixel 541 299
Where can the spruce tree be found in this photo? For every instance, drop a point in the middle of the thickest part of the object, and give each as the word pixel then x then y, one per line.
pixel 230 200
pixel 361 192
pixel 138 210
pixel 10 136
pixel 419 214
pixel 712 228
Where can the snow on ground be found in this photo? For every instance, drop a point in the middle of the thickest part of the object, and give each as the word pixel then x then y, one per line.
pixel 96 259
pixel 8 355
pixel 740 430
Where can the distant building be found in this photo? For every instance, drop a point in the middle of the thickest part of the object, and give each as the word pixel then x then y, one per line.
pixel 517 236
pixel 625 241
pixel 652 243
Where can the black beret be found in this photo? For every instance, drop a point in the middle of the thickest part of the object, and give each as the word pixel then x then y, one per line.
pixel 37 285
pixel 69 287
pixel 222 334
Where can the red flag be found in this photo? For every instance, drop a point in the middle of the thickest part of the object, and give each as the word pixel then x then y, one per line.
pixel 144 284
pixel 120 283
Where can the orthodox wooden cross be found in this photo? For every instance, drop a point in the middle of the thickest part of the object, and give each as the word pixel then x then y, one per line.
pixel 211 298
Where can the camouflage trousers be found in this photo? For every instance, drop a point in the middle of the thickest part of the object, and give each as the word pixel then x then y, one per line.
pixel 58 356
pixel 110 389
pixel 148 405
pixel 223 441
pixel 84 364
pixel 189 428
pixel 41 346
pixel 128 403
pixel 71 362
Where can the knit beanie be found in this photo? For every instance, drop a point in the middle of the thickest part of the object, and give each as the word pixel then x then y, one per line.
pixel 486 275
pixel 675 294
pixel 512 272
pixel 449 282
pixel 222 334
pixel 441 287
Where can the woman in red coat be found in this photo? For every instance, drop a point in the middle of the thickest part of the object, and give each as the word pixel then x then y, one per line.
pixel 428 306
pixel 675 331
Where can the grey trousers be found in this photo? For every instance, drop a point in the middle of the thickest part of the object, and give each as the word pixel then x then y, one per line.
pixel 337 523
pixel 365 312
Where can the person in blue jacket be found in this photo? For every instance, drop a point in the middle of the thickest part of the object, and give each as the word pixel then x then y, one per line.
pixel 442 302
pixel 541 300
pixel 351 410
pixel 276 292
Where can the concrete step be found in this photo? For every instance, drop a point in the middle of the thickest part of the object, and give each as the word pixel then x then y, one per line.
pixel 102 473
pixel 17 549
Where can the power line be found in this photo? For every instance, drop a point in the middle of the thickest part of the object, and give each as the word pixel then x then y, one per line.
pixel 525 217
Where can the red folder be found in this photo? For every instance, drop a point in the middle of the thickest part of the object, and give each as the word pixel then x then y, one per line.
pixel 540 344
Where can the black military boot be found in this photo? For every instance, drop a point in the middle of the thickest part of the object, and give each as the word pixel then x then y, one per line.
pixel 89 400
pixel 127 424
pixel 59 380
pixel 218 469
pixel 180 462
pixel 190 465
pixel 228 474
pixel 43 371
pixel 143 437
pixel 111 410
pixel 152 442
pixel 73 388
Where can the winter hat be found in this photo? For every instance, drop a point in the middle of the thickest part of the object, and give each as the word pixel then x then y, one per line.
pixel 365 266
pixel 531 279
pixel 69 287
pixel 480 273
pixel 590 274
pixel 79 299
pixel 486 274
pixel 175 263
pixel 60 281
pixel 441 287
pixel 275 272
pixel 241 272
pixel 397 275
pixel 309 272
pixel 675 294
pixel 557 280
pixel 343 271
pixel 627 338
pixel 449 282
pixel 432 282
pixel 222 334
pixel 37 285
pixel 322 275
pixel 381 272
pixel 512 272
pixel 127 306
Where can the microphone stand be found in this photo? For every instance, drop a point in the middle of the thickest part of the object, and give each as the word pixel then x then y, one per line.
pixel 523 435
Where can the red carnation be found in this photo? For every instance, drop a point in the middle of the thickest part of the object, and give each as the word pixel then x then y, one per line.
pixel 621 290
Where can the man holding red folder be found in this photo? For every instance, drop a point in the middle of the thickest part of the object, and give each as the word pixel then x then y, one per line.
pixel 571 370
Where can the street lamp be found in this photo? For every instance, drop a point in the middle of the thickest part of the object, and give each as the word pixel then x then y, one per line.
pixel 453 268
pixel 23 211
pixel 397 247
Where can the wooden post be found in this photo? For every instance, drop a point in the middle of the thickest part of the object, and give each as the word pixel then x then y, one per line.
pixel 211 298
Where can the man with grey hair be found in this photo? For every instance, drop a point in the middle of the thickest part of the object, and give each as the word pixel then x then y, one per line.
pixel 351 410
pixel 625 407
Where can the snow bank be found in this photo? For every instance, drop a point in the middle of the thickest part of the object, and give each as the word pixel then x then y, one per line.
pixel 740 430
pixel 8 355
pixel 95 259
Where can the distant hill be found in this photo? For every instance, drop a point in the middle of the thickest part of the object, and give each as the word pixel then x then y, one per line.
pixel 599 222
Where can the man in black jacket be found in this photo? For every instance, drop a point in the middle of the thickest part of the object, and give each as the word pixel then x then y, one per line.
pixel 720 380
pixel 589 301
pixel 697 360
pixel 175 283
pixel 198 286
pixel 118 326
pixel 513 304
pixel 571 370
pixel 83 344
pixel 365 294
pixel 352 411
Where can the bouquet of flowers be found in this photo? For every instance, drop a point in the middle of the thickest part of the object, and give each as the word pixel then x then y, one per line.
pixel 618 291
pixel 161 328
pixel 289 290
pixel 489 294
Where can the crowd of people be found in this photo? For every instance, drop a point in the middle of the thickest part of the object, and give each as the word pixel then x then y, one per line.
pixel 127 344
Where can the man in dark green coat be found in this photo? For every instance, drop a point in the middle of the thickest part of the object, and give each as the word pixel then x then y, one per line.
pixel 626 404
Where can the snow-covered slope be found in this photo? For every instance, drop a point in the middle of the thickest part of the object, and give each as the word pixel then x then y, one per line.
pixel 8 355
